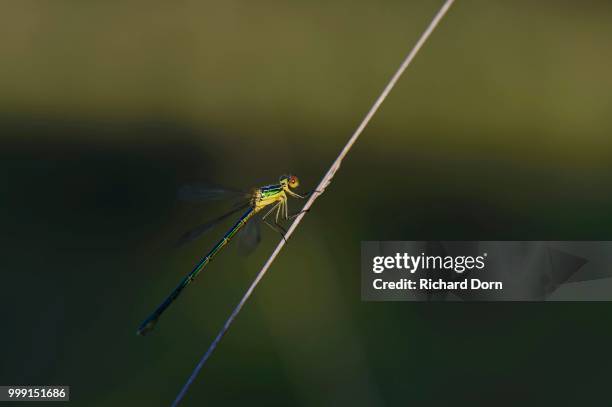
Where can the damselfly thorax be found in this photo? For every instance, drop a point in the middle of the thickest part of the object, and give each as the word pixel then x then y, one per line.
pixel 275 195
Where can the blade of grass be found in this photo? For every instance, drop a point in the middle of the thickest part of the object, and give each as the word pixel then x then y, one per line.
pixel 325 181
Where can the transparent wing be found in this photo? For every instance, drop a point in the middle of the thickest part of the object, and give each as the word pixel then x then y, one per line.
pixel 209 192
pixel 198 231
pixel 250 236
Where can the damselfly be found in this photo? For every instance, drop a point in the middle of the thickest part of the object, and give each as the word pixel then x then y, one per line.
pixel 272 197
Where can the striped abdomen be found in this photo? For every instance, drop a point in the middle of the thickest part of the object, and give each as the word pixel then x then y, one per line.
pixel 149 323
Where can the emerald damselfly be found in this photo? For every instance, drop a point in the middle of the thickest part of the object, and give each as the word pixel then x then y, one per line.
pixel 272 197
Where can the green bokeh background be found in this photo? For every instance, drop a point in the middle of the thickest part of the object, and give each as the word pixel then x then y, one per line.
pixel 499 130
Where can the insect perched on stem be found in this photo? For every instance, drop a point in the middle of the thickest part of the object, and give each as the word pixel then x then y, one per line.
pixel 271 197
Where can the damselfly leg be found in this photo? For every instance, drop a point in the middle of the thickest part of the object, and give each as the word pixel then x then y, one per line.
pixel 277 227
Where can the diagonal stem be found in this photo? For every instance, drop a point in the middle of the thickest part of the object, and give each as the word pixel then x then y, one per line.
pixel 325 181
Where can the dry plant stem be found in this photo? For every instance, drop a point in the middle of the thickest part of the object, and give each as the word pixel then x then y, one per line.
pixel 316 193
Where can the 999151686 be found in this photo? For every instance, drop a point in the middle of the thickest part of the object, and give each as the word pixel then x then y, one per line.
pixel 34 393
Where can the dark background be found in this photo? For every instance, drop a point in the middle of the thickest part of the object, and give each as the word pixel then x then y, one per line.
pixel 499 130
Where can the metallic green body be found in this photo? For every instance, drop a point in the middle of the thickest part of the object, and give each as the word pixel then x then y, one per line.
pixel 274 196
pixel 149 323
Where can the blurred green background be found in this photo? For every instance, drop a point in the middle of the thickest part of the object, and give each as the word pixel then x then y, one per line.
pixel 499 130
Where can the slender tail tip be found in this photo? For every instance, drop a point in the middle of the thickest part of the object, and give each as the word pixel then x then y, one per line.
pixel 146 327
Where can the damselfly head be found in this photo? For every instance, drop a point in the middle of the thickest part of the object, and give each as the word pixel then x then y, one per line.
pixel 290 180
